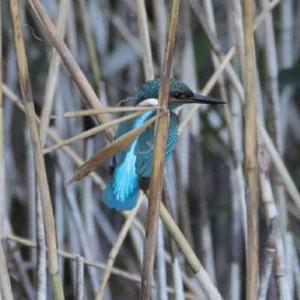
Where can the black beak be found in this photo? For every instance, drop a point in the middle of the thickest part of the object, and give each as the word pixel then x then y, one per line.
pixel 197 98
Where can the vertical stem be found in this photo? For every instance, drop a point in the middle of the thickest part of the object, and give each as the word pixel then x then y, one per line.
pixel 160 20
pixel 161 263
pixel 41 293
pixel 53 73
pixel 79 278
pixel 145 38
pixel 159 148
pixel 276 123
pixel 250 153
pixel 40 169
pixel 90 42
pixel 5 287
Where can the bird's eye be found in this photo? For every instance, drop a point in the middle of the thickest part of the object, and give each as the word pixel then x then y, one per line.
pixel 177 95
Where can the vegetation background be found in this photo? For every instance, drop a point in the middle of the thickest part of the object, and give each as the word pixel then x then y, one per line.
pixel 118 45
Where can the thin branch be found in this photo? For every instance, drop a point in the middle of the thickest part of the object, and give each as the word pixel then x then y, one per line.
pixel 104 110
pixel 265 12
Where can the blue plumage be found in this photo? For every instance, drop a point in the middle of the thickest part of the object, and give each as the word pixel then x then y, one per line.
pixel 135 162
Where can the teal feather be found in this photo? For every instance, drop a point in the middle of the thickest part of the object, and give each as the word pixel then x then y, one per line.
pixel 145 145
pixel 122 192
pixel 135 162
pixel 122 129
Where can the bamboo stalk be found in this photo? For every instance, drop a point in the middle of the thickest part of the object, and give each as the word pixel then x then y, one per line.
pixel 250 153
pixel 25 86
pixel 158 153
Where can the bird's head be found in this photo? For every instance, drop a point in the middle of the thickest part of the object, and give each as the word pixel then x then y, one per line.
pixel 179 94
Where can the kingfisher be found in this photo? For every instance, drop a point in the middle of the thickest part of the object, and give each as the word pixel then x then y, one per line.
pixel 132 167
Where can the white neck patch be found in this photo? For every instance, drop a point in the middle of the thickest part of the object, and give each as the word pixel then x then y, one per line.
pixel 149 102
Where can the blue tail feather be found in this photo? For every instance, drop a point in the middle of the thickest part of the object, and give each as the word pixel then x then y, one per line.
pixel 122 192
pixel 112 200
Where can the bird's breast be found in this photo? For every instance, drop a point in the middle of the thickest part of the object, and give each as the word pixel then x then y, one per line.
pixel 149 102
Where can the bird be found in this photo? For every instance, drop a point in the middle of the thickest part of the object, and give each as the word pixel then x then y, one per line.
pixel 132 167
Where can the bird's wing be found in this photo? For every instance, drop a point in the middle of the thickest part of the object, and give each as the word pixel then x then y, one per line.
pixel 123 128
pixel 145 145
